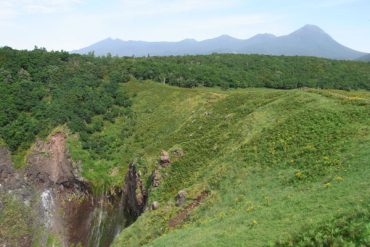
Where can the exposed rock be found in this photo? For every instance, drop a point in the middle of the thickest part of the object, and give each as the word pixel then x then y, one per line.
pixel 12 183
pixel 177 152
pixel 6 167
pixel 155 205
pixel 73 216
pixel 156 178
pixel 11 180
pixel 49 163
pixel 134 193
pixel 60 201
pixel 165 159
pixel 181 198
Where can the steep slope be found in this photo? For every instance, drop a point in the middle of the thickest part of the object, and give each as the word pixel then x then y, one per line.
pixel 258 165
pixel 310 40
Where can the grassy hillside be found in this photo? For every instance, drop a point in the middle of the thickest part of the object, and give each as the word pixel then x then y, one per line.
pixel 277 165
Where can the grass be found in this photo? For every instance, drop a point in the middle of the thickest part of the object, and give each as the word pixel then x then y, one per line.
pixel 346 230
pixel 275 162
pixel 15 221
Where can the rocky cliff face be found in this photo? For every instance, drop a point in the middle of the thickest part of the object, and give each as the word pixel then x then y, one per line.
pixel 51 188
pixel 12 182
pixel 7 174
pixel 49 163
pixel 62 203
pixel 66 201
pixel 134 193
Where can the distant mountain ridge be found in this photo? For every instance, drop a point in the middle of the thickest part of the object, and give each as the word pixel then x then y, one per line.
pixel 309 40
pixel 365 58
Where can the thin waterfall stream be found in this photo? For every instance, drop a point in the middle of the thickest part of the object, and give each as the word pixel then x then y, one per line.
pixel 89 221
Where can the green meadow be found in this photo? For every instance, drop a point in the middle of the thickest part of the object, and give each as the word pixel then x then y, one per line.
pixel 278 165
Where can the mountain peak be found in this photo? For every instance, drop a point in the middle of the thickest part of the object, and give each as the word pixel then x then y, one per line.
pixel 225 37
pixel 109 40
pixel 188 41
pixel 309 30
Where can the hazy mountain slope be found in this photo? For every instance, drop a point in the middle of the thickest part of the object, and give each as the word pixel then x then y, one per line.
pixel 272 162
pixel 365 58
pixel 307 41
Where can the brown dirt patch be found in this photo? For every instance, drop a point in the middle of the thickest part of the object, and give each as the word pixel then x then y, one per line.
pixel 179 218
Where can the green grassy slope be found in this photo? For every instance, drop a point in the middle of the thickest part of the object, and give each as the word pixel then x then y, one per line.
pixel 277 164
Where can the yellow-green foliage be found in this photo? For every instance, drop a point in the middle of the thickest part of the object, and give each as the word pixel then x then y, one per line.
pixel 15 221
pixel 274 161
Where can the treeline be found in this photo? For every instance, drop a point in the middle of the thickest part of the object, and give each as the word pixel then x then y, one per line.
pixel 233 71
pixel 41 90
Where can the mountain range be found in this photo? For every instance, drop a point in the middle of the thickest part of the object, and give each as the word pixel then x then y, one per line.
pixel 310 40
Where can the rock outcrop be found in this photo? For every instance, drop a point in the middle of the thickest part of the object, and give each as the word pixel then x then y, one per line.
pixel 11 180
pixel 134 193
pixel 165 159
pixel 181 198
pixel 50 165
pixel 7 172
pixel 155 205
pixel 60 200
pixel 156 178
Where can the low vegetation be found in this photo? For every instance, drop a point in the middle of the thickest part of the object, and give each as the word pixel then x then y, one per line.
pixel 15 222
pixel 274 163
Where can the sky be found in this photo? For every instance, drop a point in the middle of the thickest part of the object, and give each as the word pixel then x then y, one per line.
pixel 73 24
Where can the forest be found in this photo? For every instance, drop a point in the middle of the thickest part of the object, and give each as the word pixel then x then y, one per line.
pixel 40 90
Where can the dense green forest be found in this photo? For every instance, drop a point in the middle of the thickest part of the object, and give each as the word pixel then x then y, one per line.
pixel 240 71
pixel 40 90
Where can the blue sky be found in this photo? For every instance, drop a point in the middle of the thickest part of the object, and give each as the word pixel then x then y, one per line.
pixel 73 24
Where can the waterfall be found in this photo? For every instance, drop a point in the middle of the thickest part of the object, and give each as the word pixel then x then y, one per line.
pixel 90 221
pixel 99 216
pixel 47 203
pixel 108 221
